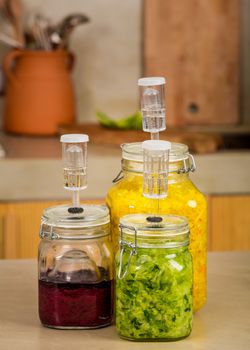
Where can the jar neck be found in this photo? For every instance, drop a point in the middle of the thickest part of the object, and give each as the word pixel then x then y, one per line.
pixel 50 232
pixel 144 242
pixel 176 170
pixel 153 236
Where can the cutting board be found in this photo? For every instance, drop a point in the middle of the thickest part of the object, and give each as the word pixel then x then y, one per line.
pixel 195 45
pixel 197 142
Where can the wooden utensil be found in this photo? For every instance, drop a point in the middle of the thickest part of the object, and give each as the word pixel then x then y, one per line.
pixel 196 46
pixel 10 41
pixel 14 10
pixel 60 34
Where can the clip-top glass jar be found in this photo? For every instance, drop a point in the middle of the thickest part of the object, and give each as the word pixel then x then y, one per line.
pixel 183 199
pixel 154 278
pixel 75 267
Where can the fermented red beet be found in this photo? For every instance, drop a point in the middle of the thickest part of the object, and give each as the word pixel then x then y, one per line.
pixel 66 305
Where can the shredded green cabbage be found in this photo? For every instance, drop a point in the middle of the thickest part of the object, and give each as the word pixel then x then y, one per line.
pixel 154 299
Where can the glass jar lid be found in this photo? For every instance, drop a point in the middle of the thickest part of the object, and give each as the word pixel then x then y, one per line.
pixel 180 160
pixel 147 230
pixel 83 217
pixel 134 151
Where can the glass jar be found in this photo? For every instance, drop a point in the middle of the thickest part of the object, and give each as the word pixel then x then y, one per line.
pixel 184 199
pixel 75 266
pixel 154 279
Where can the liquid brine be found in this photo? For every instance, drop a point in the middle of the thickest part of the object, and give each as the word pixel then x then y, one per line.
pixel 153 120
pixel 75 305
pixel 74 178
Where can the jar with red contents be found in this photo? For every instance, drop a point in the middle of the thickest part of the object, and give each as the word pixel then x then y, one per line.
pixel 75 268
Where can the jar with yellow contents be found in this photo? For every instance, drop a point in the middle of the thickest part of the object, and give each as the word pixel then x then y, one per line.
pixel 184 199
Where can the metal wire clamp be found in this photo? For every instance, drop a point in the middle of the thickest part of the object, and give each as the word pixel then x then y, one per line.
pixel 133 251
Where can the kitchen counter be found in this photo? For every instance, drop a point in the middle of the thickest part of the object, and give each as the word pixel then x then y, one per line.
pixel 32 170
pixel 224 323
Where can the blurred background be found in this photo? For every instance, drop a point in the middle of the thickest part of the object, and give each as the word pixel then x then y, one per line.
pixel 72 66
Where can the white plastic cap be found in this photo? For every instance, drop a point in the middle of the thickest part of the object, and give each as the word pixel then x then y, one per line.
pixel 74 138
pixel 156 145
pixel 151 81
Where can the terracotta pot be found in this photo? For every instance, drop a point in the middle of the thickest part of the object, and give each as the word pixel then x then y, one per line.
pixel 39 95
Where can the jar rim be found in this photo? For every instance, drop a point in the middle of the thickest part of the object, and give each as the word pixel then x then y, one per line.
pixel 89 216
pixel 133 151
pixel 170 226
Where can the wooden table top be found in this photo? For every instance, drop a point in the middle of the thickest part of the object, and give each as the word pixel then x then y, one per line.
pixel 224 323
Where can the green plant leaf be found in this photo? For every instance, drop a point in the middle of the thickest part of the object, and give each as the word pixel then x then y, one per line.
pixel 132 122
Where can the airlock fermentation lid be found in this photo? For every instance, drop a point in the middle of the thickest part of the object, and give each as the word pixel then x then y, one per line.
pixel 134 151
pixel 147 225
pixel 151 81
pixel 148 231
pixel 74 138
pixel 85 216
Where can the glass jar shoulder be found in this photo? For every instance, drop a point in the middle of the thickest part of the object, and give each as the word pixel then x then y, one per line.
pixel 128 192
pixel 99 251
pixel 127 184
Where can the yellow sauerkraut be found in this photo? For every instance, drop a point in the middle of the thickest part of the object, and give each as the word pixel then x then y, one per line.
pixel 183 199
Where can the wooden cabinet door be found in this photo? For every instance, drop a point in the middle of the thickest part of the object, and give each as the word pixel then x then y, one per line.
pixel 20 227
pixel 229 223
pixel 195 45
pixel 2 234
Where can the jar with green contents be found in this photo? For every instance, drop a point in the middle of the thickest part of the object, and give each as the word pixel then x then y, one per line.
pixel 183 199
pixel 154 278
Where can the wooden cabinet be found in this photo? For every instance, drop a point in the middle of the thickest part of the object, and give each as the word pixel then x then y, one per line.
pixel 229 225
pixel 19 228
pixel 196 46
